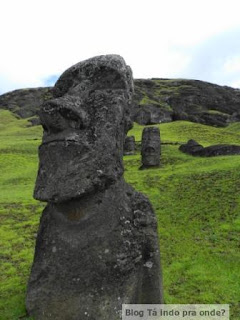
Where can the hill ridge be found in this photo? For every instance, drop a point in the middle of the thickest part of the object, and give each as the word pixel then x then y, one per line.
pixel 156 100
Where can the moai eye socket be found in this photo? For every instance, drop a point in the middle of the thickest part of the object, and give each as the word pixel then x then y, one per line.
pixel 68 114
pixel 78 119
pixel 150 150
pixel 74 119
pixel 51 120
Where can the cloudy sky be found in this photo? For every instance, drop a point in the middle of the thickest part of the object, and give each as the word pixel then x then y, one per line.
pixel 196 39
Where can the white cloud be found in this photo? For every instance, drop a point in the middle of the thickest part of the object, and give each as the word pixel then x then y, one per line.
pixel 232 65
pixel 216 59
pixel 235 84
pixel 43 38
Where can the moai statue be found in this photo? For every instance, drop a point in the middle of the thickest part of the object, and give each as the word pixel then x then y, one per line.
pixel 151 147
pixel 97 245
pixel 129 145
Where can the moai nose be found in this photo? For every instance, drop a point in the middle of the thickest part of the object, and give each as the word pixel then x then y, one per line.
pixel 57 116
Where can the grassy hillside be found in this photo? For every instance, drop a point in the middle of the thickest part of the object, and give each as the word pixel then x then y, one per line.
pixel 197 202
pixel 19 213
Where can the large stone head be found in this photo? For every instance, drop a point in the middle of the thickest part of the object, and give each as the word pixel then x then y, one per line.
pixel 84 129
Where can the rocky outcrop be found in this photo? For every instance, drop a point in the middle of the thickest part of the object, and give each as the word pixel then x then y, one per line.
pixel 154 101
pixel 191 100
pixel 195 149
pixel 191 147
pixel 97 245
pixel 151 114
pixel 25 102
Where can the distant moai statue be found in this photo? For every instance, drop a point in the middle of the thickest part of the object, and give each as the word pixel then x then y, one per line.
pixel 151 147
pixel 97 245
pixel 143 116
pixel 129 145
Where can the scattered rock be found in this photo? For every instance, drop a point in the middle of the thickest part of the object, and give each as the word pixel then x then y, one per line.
pixel 191 147
pixel 195 149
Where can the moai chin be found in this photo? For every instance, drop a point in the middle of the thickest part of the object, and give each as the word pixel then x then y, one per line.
pixel 97 245
pixel 129 145
pixel 151 147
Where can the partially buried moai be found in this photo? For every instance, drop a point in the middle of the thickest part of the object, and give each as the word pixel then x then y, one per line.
pixel 97 245
pixel 129 145
pixel 151 147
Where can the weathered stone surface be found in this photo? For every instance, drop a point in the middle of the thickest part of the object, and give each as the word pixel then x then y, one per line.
pixel 220 150
pixel 151 114
pixel 97 245
pixel 100 73
pixel 151 147
pixel 216 120
pixel 129 145
pixel 191 147
pixel 195 149
pixel 83 138
pixel 180 99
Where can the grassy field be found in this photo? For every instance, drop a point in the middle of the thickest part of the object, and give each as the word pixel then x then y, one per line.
pixel 197 202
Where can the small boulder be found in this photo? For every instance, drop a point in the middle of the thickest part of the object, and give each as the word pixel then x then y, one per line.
pixel 191 147
pixel 195 149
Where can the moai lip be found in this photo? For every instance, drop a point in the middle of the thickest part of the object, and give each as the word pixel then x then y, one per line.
pixel 97 245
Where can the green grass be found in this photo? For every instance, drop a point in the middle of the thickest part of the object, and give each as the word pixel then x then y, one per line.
pixel 197 205
pixel 182 131
pixel 161 90
pixel 217 112
pixel 197 202
pixel 19 213
pixel 147 100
